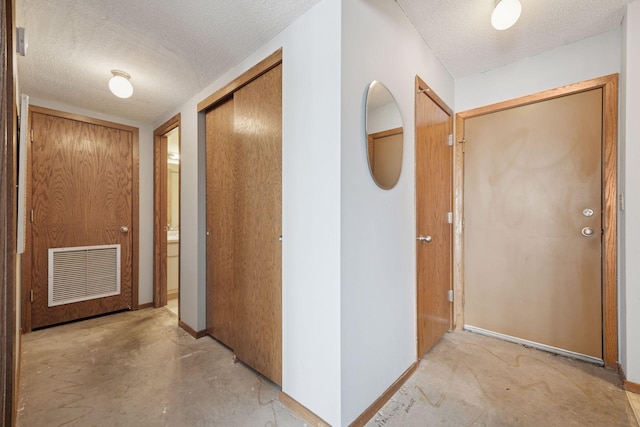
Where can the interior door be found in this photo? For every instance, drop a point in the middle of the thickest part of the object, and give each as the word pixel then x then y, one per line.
pixel 81 195
pixel 160 220
pixel 533 222
pixel 244 220
pixel 434 195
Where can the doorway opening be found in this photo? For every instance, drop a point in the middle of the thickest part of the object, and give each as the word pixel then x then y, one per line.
pixel 166 271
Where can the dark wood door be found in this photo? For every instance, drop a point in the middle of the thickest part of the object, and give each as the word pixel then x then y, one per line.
pixel 81 196
pixel 434 196
pixel 244 223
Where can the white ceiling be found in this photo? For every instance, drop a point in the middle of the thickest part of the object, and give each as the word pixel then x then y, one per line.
pixel 174 49
pixel 459 31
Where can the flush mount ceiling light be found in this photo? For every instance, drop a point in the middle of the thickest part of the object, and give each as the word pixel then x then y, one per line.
pixel 505 14
pixel 120 85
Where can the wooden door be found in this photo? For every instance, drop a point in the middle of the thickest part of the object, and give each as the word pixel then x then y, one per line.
pixel 434 195
pixel 533 222
pixel 160 220
pixel 244 220
pixel 81 195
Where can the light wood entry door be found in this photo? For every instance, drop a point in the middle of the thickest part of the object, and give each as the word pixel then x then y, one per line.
pixel 533 222
pixel 434 198
pixel 244 223
pixel 82 194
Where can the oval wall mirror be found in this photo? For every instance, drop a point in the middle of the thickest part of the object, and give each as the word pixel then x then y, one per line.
pixel 383 124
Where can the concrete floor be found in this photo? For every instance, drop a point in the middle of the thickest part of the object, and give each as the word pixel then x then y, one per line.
pixel 140 369
pixel 472 380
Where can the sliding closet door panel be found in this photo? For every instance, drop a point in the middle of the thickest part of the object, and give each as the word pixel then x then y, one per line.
pixel 222 180
pixel 244 222
pixel 258 125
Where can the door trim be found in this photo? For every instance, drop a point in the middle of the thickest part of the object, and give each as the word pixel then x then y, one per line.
pixel 9 357
pixel 135 234
pixel 609 85
pixel 247 77
pixel 422 88
pixel 160 210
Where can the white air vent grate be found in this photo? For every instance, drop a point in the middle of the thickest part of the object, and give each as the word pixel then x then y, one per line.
pixel 83 273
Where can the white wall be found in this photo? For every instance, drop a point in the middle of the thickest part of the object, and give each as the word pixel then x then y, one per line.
pixel 145 226
pixel 311 207
pixel 593 57
pixel 378 268
pixel 630 179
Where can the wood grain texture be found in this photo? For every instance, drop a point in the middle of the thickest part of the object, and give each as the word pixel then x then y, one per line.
pixel 244 217
pixel 82 193
pixel 159 221
pixel 8 153
pixel 160 209
pixel 256 71
pixel 434 198
pixel 384 398
pixel 259 218
pixel 302 411
pixel 610 209
pixel 609 84
pixel 222 163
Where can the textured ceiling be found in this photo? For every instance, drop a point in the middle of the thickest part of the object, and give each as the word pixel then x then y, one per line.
pixel 173 49
pixel 460 32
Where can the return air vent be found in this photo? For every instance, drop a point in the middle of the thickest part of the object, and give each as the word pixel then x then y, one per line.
pixel 83 273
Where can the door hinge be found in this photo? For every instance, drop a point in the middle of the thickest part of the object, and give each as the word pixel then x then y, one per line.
pixel 31 135
pixel 31 296
pixel 450 217
pixel 450 140
pixel 31 215
pixel 450 295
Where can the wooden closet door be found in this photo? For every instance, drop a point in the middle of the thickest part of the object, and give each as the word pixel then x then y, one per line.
pixel 244 220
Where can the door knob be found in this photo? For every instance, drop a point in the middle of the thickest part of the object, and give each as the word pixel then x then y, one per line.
pixel 587 231
pixel 427 239
pixel 124 229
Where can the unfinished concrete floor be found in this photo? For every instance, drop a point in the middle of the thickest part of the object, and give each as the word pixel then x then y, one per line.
pixel 140 369
pixel 472 380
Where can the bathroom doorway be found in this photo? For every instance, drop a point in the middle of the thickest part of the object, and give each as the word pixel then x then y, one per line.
pixel 167 216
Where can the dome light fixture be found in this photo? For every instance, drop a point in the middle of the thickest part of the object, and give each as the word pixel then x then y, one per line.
pixel 505 14
pixel 120 85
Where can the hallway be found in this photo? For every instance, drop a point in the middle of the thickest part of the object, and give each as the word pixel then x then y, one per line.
pixel 139 368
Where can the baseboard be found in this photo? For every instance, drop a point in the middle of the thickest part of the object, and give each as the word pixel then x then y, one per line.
pixel 173 294
pixel 191 331
pixel 631 386
pixel 627 385
pixel 302 411
pixel 384 398
pixel 143 306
